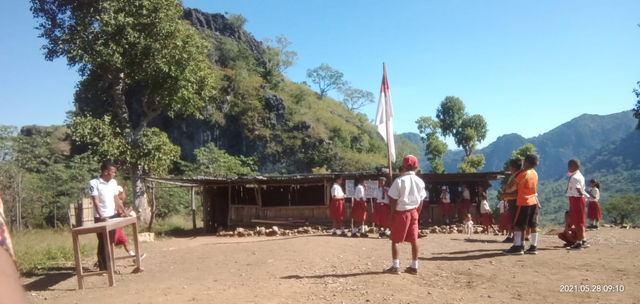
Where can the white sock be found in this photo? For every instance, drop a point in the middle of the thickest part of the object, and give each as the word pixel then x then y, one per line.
pixel 518 238
pixel 414 264
pixel 334 230
pixel 355 230
pixel 534 239
pixel 131 253
pixel 362 228
pixel 396 263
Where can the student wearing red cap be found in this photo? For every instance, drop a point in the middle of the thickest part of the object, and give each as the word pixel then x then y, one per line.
pixel 405 197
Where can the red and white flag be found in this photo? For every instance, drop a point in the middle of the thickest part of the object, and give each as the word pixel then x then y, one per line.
pixel 384 116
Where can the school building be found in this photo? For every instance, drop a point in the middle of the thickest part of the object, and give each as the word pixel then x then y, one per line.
pixel 304 198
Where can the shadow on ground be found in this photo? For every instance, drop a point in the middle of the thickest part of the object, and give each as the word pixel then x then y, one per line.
pixel 344 275
pixel 50 277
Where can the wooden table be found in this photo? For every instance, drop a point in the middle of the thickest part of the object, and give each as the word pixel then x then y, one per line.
pixel 104 228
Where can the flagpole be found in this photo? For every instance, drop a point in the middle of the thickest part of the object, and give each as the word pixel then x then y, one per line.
pixel 387 124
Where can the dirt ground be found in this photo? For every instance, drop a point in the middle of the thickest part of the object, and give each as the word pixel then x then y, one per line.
pixel 325 269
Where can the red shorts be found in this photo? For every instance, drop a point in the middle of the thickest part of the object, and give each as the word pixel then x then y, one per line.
pixel 568 236
pixel 487 219
pixel 359 211
pixel 505 222
pixel 381 215
pixel 120 238
pixel 464 205
pixel 405 226
pixel 336 209
pixel 594 213
pixel 445 208
pixel 577 207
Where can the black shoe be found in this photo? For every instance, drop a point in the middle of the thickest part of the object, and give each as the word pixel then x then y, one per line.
pixel 334 233
pixel 527 240
pixel 567 245
pixel 576 246
pixel 514 250
pixel 364 235
pixel 508 240
pixel 392 270
pixel 381 234
pixel 585 244
pixel 344 234
pixel 354 235
pixel 411 270
pixel 532 250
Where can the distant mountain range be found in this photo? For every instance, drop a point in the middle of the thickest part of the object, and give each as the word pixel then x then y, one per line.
pixel 601 142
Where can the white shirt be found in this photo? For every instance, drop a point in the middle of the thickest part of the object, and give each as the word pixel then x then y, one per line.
pixel 576 181
pixel 408 190
pixel 501 206
pixel 595 194
pixel 465 194
pixel 484 207
pixel 105 193
pixel 378 196
pixel 360 193
pixel 445 198
pixel 336 191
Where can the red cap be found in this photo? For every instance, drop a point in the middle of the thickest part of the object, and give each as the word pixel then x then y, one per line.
pixel 410 162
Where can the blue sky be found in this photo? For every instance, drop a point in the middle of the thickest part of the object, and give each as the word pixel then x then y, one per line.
pixel 546 60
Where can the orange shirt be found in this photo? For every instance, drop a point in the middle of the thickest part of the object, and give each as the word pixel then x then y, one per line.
pixel 527 183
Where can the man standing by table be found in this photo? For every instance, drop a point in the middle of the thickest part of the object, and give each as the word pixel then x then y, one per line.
pixel 104 195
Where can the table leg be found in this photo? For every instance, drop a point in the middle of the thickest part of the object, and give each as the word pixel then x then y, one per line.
pixel 78 255
pixel 136 245
pixel 107 251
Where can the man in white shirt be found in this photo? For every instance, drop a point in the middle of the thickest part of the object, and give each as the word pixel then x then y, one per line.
pixel 405 197
pixel 104 195
pixel 577 203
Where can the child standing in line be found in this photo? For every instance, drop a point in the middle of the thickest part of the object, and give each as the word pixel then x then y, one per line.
pixel 467 225
pixel 381 203
pixel 577 202
pixel 569 235
pixel 487 216
pixel 526 219
pixel 359 209
pixel 594 207
pixel 504 226
pixel 464 203
pixel 445 204
pixel 336 206
pixel 405 197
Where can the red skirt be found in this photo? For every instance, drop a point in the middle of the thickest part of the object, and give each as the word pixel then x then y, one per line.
pixel 463 205
pixel 381 215
pixel 505 222
pixel 120 238
pixel 359 211
pixel 577 212
pixel 336 209
pixel 487 219
pixel 405 226
pixel 445 209
pixel 594 212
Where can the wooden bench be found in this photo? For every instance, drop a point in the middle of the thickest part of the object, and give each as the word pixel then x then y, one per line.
pixel 104 228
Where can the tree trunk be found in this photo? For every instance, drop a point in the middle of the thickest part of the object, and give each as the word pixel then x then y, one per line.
pixel 140 194
pixel 153 206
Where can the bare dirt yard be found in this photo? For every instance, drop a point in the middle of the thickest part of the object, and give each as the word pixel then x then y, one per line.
pixel 319 268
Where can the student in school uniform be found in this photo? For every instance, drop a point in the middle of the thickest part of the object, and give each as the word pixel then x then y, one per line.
pixel 511 190
pixel 504 226
pixel 527 204
pixel 405 197
pixel 594 213
pixel 445 204
pixel 464 203
pixel 577 203
pixel 381 212
pixel 570 234
pixel 336 207
pixel 120 237
pixel 359 209
pixel 485 210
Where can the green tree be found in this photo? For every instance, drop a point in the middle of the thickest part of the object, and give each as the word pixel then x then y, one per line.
pixel 327 78
pixel 636 110
pixel 212 162
pixel 237 21
pixel 353 99
pixel 285 58
pixel 467 131
pixel 138 58
pixel 624 209
pixel 404 147
pixel 430 131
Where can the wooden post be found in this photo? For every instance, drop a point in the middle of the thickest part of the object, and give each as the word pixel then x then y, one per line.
pixel 193 206
pixel 78 256
pixel 387 124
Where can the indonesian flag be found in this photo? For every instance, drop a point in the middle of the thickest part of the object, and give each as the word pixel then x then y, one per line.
pixel 385 115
